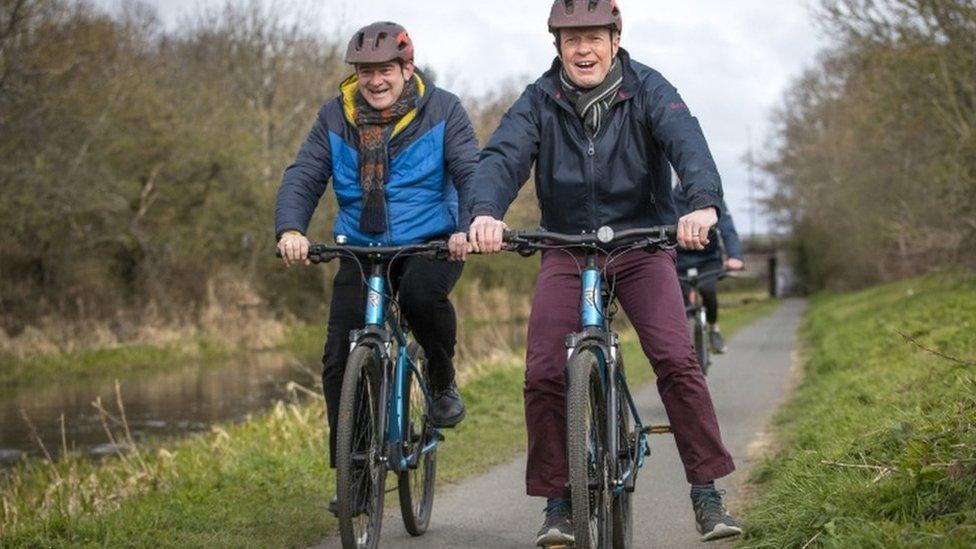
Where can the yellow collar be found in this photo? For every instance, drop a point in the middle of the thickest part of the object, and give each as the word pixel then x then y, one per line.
pixel 348 91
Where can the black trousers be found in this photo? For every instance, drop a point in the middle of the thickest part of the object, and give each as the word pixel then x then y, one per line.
pixel 707 289
pixel 422 286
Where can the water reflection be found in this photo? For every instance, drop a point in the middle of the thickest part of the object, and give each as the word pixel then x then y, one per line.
pixel 188 399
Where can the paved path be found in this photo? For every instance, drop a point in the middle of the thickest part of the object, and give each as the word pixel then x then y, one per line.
pixel 747 384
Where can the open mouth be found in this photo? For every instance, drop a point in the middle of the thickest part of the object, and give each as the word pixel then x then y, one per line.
pixel 585 65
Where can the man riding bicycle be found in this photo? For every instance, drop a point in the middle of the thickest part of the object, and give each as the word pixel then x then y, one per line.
pixel 398 150
pixel 601 130
pixel 710 260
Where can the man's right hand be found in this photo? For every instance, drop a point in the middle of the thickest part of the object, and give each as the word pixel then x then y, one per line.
pixel 293 246
pixel 485 235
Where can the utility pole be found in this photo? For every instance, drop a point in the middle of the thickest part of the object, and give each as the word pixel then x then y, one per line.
pixel 750 159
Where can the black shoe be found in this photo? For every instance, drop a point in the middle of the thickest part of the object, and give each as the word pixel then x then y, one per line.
pixel 557 530
pixel 717 342
pixel 447 408
pixel 711 518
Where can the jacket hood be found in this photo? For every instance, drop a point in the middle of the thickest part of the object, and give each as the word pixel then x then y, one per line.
pixel 349 86
pixel 549 81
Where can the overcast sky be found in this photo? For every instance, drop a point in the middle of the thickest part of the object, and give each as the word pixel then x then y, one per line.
pixel 730 59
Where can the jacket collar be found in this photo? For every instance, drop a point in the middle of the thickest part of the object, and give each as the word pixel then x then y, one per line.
pixel 347 93
pixel 549 82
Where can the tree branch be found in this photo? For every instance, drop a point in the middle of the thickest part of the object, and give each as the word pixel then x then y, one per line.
pixel 913 341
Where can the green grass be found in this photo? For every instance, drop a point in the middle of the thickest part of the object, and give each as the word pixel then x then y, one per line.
pixel 878 448
pixel 261 483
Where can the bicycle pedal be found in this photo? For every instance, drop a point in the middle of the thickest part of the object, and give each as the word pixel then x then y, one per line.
pixel 657 430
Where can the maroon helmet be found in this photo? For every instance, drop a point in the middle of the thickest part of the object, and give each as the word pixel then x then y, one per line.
pixel 568 14
pixel 380 42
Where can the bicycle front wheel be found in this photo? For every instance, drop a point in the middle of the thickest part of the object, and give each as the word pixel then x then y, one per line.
pixel 416 486
pixel 361 475
pixel 621 508
pixel 586 452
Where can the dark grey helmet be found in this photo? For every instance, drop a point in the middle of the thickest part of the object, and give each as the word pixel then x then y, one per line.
pixel 380 42
pixel 567 14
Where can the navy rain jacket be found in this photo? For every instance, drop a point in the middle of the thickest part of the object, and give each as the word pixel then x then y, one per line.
pixel 432 154
pixel 726 228
pixel 620 178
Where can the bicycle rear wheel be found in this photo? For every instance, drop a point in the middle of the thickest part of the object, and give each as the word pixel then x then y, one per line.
pixel 586 452
pixel 361 476
pixel 416 486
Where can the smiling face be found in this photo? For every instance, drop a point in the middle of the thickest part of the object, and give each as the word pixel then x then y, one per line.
pixel 587 54
pixel 381 84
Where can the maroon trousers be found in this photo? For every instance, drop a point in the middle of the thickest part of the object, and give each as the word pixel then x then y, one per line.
pixel 648 290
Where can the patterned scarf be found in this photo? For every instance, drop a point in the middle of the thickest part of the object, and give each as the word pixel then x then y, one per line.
pixel 375 128
pixel 591 104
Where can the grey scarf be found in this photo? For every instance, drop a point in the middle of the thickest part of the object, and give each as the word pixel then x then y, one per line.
pixel 592 104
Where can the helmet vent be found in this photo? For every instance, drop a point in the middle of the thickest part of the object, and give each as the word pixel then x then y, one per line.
pixel 570 6
pixel 379 38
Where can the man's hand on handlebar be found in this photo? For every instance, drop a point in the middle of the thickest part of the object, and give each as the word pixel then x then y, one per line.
pixel 485 236
pixel 734 264
pixel 293 247
pixel 458 247
pixel 693 228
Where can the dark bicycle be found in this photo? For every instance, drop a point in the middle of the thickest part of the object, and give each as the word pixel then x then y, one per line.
pixel 383 422
pixel 691 281
pixel 607 441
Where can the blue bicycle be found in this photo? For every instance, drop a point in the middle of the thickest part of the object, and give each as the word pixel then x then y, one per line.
pixel 606 439
pixel 383 408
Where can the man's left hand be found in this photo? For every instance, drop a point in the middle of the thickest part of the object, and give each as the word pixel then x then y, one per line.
pixel 693 228
pixel 458 247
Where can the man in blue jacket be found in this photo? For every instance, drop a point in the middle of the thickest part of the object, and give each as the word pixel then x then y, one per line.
pixel 397 150
pixel 710 260
pixel 601 130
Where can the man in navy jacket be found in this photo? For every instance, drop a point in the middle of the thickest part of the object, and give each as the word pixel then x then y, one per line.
pixel 601 130
pixel 397 150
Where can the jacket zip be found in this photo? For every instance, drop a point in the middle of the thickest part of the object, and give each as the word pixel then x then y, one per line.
pixel 591 161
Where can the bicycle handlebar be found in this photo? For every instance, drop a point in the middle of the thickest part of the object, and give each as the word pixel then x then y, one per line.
pixel 323 253
pixel 654 236
pixel 721 273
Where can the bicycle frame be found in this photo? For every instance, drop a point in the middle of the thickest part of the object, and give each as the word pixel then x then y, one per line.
pixel 384 331
pixel 597 337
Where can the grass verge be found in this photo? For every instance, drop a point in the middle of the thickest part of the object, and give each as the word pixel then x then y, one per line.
pixel 878 448
pixel 261 483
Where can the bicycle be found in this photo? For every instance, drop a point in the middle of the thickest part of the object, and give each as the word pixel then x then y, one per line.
pixel 602 467
pixel 695 311
pixel 383 422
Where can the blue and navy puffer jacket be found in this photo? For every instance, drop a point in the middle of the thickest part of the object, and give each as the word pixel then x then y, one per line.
pixel 433 152
pixel 620 178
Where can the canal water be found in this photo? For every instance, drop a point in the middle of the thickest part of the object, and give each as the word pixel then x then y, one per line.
pixel 174 402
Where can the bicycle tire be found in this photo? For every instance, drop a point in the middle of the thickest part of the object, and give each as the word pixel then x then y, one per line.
pixel 621 510
pixel 585 425
pixel 701 346
pixel 360 475
pixel 699 339
pixel 416 486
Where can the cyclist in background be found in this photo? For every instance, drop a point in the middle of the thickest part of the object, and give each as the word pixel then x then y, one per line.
pixel 397 150
pixel 601 129
pixel 709 260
